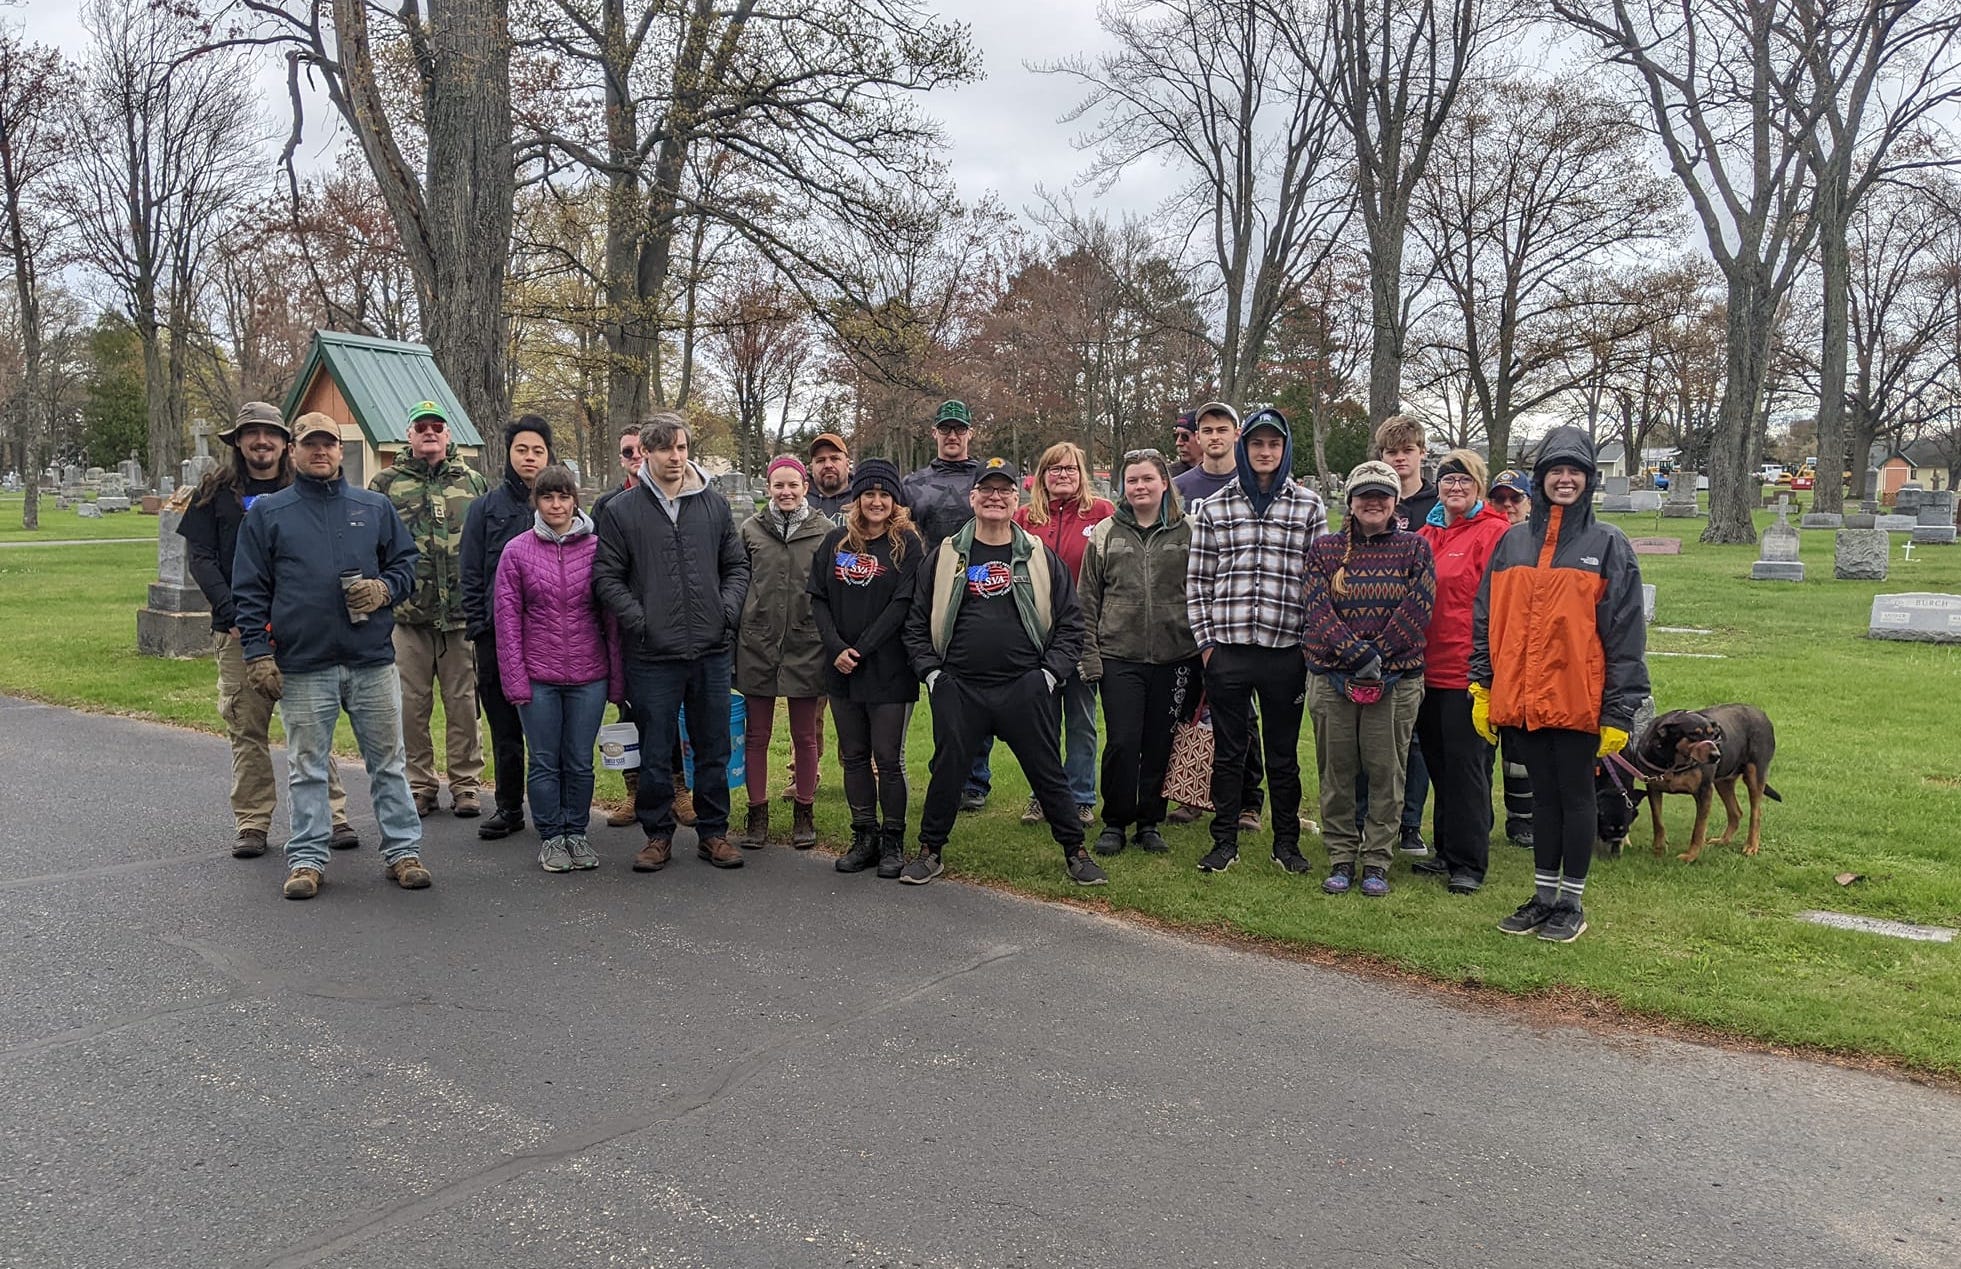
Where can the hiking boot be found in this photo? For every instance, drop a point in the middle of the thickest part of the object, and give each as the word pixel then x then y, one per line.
pixel 465 805
pixel 1375 882
pixel 1032 813
pixel 1182 814
pixel 621 813
pixel 1109 841
pixel 343 837
pixel 555 855
pixel 924 867
pixel 584 857
pixel 1530 916
pixel 1291 860
pixel 503 821
pixel 408 873
pixel 425 802
pixel 1218 859
pixel 1086 812
pixel 251 843
pixel 891 853
pixel 1084 871
pixel 303 883
pixel 1564 923
pixel 718 851
pixel 970 801
pixel 654 855
pixel 1412 843
pixel 803 826
pixel 1249 821
pixel 755 829
pixel 684 803
pixel 1339 879
pixel 1463 882
pixel 864 849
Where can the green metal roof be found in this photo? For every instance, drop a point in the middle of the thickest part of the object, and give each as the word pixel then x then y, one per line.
pixel 381 380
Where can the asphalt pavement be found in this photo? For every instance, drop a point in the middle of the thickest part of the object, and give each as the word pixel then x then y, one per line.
pixel 785 1066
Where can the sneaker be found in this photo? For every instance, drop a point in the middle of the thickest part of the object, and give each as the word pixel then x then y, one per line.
pixel 465 805
pixel 502 823
pixel 1340 879
pixel 425 803
pixel 1148 838
pixel 1249 821
pixel 1530 916
pixel 1218 859
pixel 1109 841
pixel 654 855
pixel 1291 860
pixel 584 857
pixel 1032 813
pixel 1412 843
pixel 1465 883
pixel 555 855
pixel 408 873
pixel 1084 871
pixel 1375 882
pixel 1430 866
pixel 891 853
pixel 303 883
pixel 344 837
pixel 1182 814
pixel 864 849
pixel 1520 836
pixel 923 868
pixel 1086 812
pixel 251 843
pixel 971 802
pixel 1566 922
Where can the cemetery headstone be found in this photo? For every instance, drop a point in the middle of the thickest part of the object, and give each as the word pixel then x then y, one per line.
pixel 111 484
pixel 1861 520
pixel 1779 561
pixel 1645 499
pixel 1821 520
pixel 1617 495
pixel 1895 524
pixel 88 511
pixel 1860 554
pixel 1648 602
pixel 111 502
pixel 1656 546
pixel 1908 498
pixel 176 622
pixel 1869 506
pixel 1934 523
pixel 1681 502
pixel 1919 617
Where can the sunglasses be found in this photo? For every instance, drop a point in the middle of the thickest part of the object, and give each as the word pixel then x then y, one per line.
pixel 1501 497
pixel 629 453
pixel 429 425
pixel 1131 456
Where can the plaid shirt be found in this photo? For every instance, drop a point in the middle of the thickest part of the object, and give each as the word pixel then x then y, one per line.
pixel 1243 584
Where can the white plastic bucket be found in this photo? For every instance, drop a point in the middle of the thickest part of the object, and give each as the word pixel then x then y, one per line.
pixel 619 747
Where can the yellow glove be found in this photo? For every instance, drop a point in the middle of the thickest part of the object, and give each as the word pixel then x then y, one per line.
pixel 1612 740
pixel 1481 713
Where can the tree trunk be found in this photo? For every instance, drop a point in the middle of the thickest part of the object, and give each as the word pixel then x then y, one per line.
pixel 1836 260
pixel 1386 308
pixel 626 364
pixel 1732 482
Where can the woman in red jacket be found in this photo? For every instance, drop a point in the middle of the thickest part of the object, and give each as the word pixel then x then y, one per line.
pixel 1463 530
pixel 1062 511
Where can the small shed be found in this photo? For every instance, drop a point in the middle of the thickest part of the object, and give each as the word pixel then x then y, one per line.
pixel 1920 461
pixel 368 386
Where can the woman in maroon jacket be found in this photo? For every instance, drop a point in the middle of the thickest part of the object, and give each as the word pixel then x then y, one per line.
pixel 558 659
pixel 1463 531
pixel 1062 511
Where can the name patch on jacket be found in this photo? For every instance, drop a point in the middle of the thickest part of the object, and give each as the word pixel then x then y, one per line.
pixel 858 569
pixel 990 580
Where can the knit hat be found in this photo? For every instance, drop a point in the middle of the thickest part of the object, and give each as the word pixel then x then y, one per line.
pixel 1373 476
pixel 787 460
pixel 881 474
pixel 256 414
pixel 527 423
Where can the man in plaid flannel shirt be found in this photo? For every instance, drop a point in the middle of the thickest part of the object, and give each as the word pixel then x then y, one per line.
pixel 1248 611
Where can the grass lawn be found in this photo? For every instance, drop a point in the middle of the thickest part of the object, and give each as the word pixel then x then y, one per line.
pixel 61 526
pixel 1868 762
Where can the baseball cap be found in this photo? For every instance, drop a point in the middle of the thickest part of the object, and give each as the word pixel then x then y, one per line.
pixel 954 412
pixel 1215 407
pixel 1187 421
pixel 308 424
pixel 426 410
pixel 831 439
pixel 1514 479
pixel 1373 476
pixel 256 414
pixel 997 467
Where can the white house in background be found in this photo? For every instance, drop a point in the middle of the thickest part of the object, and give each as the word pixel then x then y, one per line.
pixel 1611 459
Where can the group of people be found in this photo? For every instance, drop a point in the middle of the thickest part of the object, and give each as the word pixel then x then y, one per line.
pixel 1439 618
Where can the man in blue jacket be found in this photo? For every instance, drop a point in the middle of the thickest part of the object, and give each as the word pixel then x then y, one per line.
pixel 319 565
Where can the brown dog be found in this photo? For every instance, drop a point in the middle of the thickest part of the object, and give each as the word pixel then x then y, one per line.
pixel 1704 753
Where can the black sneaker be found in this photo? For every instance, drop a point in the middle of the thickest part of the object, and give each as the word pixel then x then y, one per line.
pixel 864 850
pixel 1430 865
pixel 1530 916
pixel 1520 836
pixel 891 852
pixel 1566 922
pixel 1290 860
pixel 501 823
pixel 1219 859
pixel 1464 882
pixel 924 867
pixel 1084 871
pixel 1148 838
pixel 1412 843
pixel 973 801
pixel 1109 841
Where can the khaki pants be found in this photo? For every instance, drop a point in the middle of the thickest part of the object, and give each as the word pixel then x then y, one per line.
pixel 426 657
pixel 247 716
pixel 1349 739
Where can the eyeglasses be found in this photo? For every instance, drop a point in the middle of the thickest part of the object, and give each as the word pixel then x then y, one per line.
pixel 1503 496
pixel 1072 469
pixel 1456 482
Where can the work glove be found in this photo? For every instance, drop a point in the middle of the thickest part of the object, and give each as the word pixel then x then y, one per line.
pixel 1612 740
pixel 1050 679
pixel 262 676
pixel 367 595
pixel 932 677
pixel 1481 714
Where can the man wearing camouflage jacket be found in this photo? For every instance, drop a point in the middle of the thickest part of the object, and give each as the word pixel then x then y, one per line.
pixel 432 490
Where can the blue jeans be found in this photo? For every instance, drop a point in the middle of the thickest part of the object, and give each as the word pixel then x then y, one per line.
pixel 658 690
pixel 561 722
pixel 311 705
pixel 1078 745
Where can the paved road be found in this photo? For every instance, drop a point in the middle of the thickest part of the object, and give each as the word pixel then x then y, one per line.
pixel 73 542
pixel 783 1066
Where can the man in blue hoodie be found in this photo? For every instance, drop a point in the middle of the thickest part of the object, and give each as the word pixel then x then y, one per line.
pixel 320 565
pixel 1248 610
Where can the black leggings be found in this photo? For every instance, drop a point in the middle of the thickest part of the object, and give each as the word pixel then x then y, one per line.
pixel 868 735
pixel 1564 818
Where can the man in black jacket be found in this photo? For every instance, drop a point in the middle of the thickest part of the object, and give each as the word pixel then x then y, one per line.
pixel 672 570
pixel 493 521
pixel 260 463
pixel 320 565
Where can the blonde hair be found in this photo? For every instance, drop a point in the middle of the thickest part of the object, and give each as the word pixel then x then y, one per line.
pixel 1398 431
pixel 897 525
pixel 1473 467
pixel 1038 499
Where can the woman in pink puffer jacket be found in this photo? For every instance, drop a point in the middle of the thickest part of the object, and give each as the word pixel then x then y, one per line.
pixel 558 658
